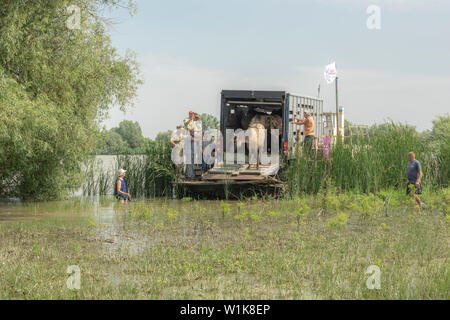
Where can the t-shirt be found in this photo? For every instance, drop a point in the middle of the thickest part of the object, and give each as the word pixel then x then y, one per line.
pixel 309 126
pixel 198 126
pixel 177 136
pixel 413 171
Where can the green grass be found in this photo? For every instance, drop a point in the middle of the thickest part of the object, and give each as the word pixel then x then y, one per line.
pixel 311 247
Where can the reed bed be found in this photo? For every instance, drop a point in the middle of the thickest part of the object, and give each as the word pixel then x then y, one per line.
pixel 97 179
pixel 370 164
pixel 364 163
pixel 150 175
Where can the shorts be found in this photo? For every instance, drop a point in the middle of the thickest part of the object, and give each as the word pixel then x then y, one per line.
pixel 308 144
pixel 418 189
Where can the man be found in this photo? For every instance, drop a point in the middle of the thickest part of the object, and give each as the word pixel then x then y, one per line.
pixel 176 139
pixel 120 191
pixel 177 136
pixel 308 132
pixel 190 126
pixel 414 177
pixel 189 123
pixel 198 133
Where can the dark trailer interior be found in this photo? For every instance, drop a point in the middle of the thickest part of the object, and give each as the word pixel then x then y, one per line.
pixel 238 107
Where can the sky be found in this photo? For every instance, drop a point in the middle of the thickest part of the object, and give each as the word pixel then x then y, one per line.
pixel 190 50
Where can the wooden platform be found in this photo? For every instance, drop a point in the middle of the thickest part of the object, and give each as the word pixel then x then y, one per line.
pixel 232 187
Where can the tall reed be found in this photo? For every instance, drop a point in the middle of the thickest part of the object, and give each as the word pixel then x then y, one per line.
pixel 96 180
pixel 151 174
pixel 371 163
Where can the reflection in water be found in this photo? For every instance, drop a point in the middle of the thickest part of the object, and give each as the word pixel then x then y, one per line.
pixel 112 222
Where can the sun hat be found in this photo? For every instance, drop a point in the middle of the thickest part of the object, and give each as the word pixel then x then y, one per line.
pixel 121 172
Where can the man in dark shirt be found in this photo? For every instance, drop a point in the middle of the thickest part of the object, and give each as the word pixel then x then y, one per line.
pixel 414 177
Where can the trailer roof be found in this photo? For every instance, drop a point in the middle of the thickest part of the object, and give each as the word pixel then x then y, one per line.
pixel 261 94
pixel 304 96
pixel 250 94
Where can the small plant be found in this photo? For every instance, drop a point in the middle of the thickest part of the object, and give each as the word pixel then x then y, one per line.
pixel 37 250
pixel 139 211
pixel 225 209
pixel 382 227
pixel 337 222
pixel 198 208
pixel 172 214
pixel 273 214
pixel 241 217
pixel 254 216
pixel 247 233
pixel 302 212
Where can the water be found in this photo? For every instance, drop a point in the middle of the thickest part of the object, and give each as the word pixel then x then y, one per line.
pixel 113 222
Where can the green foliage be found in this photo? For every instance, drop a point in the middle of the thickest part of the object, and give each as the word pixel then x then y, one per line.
pixel 127 138
pixel 302 212
pixel 209 121
pixel 371 164
pixel 164 136
pixel 55 86
pixel 225 208
pixel 339 221
pixel 131 133
pixel 440 143
pixel 111 142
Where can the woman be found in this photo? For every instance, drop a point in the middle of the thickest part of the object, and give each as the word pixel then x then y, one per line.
pixel 121 187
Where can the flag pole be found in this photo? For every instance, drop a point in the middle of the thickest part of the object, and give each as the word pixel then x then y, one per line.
pixel 337 108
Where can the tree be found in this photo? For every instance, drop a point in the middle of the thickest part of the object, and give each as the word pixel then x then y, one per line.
pixel 209 121
pixel 56 85
pixel 127 138
pixel 111 142
pixel 164 136
pixel 131 133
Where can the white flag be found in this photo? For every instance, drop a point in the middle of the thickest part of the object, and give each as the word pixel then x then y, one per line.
pixel 330 72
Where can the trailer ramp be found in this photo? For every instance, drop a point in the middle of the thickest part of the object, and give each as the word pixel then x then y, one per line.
pixel 235 182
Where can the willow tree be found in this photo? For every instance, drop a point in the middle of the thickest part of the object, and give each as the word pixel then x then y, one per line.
pixel 59 76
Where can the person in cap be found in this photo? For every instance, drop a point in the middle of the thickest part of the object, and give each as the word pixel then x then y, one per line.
pixel 120 190
pixel 189 123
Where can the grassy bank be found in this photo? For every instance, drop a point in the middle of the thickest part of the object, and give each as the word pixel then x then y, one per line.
pixel 306 248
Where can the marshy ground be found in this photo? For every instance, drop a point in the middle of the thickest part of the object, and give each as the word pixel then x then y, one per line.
pixel 306 248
